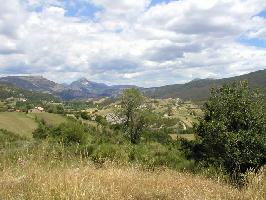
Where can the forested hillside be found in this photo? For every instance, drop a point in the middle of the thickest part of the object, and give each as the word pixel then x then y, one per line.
pixel 199 89
pixel 9 91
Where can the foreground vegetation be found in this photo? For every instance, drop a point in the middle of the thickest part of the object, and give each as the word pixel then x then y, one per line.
pixel 138 157
pixel 53 172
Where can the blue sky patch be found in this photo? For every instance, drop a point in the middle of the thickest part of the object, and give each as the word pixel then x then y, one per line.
pixel 154 2
pixel 81 9
pixel 256 42
pixel 262 13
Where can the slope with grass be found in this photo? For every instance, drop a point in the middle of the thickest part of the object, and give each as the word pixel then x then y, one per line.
pixel 18 123
pixel 24 124
pixel 49 118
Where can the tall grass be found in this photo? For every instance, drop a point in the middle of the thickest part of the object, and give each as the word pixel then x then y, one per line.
pixel 52 172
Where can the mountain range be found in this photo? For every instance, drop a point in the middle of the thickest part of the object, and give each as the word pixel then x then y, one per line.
pixel 80 89
pixel 195 90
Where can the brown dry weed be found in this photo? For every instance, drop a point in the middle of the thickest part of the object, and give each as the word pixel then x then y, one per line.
pixel 31 181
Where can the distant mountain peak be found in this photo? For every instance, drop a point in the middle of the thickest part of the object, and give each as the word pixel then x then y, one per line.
pixel 83 79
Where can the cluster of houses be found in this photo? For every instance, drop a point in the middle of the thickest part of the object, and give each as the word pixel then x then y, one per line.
pixel 16 99
pixel 37 109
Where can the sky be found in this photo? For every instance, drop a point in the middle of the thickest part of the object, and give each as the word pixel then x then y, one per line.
pixel 140 42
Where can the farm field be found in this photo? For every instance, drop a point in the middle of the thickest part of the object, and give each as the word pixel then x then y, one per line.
pixel 18 123
pixel 49 118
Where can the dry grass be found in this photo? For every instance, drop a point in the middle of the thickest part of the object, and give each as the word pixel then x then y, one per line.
pixel 47 172
pixel 85 181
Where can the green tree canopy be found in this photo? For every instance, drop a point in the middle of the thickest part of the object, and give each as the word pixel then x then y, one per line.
pixel 232 133
pixel 131 102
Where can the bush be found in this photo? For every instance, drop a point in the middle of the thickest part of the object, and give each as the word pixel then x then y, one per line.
pixel 85 116
pixel 112 152
pixel 101 120
pixel 155 154
pixel 68 133
pixel 71 132
pixel 160 136
pixel 42 132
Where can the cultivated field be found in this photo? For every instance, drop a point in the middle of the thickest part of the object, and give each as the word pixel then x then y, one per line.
pixel 18 123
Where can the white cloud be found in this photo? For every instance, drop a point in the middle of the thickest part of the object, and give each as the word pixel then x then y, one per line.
pixel 11 17
pixel 122 6
pixel 258 29
pixel 129 42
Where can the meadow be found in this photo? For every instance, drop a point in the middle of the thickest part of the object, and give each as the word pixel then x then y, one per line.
pixel 18 123
pixel 50 118
pixel 24 124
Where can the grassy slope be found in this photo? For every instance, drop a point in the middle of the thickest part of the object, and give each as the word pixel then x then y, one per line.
pixel 49 118
pixel 24 124
pixel 17 123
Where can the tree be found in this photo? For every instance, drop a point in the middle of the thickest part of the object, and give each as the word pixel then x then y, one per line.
pixel 60 109
pixel 84 115
pixel 232 133
pixel 131 103
pixel 169 109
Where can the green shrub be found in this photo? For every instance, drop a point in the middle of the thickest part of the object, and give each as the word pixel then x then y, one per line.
pixel 112 152
pixel 105 135
pixel 71 132
pixel 85 116
pixel 42 132
pixel 155 154
pixel 160 136
pixel 101 120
